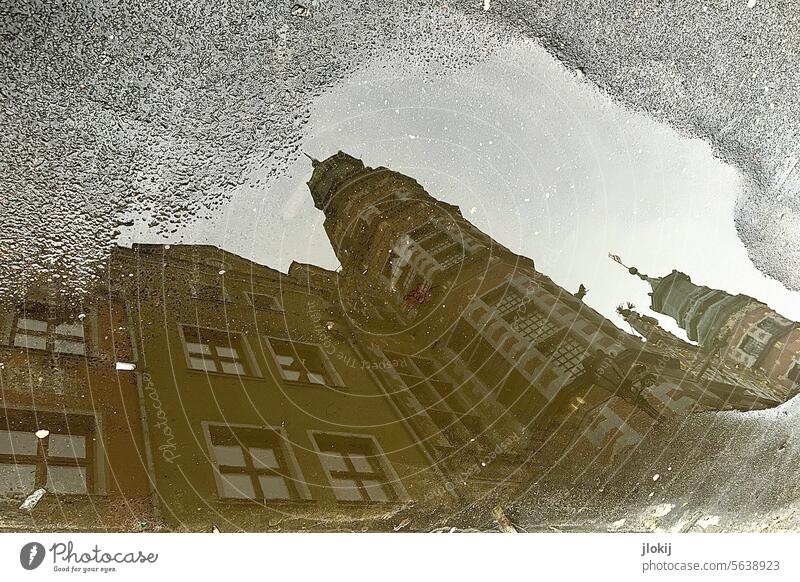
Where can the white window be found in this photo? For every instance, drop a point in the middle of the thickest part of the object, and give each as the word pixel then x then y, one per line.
pixel 213 350
pixel 300 362
pixel 356 468
pixel 254 463
pixel 62 461
pixel 41 329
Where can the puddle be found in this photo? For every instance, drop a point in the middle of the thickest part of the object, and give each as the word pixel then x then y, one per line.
pixel 534 156
pixel 421 325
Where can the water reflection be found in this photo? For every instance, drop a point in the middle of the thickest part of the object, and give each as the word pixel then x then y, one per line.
pixel 430 381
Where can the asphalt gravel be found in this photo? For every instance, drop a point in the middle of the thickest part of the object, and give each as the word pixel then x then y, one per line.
pixel 114 109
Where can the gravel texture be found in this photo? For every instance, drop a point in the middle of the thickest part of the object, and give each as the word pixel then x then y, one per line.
pixel 115 109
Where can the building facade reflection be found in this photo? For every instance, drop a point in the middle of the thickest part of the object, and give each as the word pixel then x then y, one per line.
pixel 430 379
pixel 70 424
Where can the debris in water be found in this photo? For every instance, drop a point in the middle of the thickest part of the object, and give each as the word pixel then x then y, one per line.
pixel 708 521
pixel 401 525
pixel 617 524
pixel 419 295
pixel 663 509
pixel 300 10
pixel 502 520
pixel 32 499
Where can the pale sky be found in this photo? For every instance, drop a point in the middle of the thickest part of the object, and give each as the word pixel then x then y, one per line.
pixel 535 157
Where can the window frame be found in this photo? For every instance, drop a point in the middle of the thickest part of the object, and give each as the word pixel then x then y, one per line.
pixel 524 316
pixel 94 445
pixel 750 339
pixel 296 482
pixel 771 326
pixel 49 334
pixel 252 369
pixel 335 378
pixel 392 480
pixel 248 295
pixel 442 405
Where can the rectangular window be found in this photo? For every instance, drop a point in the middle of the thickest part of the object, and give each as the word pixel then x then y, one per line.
pixel 430 386
pixel 391 265
pixel 205 292
pixel 794 373
pixel 355 468
pixel 534 325
pixel 508 302
pixel 397 269
pixel 525 318
pixel 449 260
pixel 253 463
pixel 565 352
pixel 424 378
pixel 751 345
pixel 436 240
pixel 569 355
pixel 213 350
pixel 263 301
pixel 771 326
pixel 61 462
pixel 41 328
pixel 299 362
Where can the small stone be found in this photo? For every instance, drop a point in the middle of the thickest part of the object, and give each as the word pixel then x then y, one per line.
pixel 32 499
pixel 300 10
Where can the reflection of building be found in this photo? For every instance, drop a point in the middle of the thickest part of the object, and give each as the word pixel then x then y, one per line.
pixel 69 422
pixel 435 371
pixel 743 330
pixel 261 409
pixel 716 373
pixel 522 355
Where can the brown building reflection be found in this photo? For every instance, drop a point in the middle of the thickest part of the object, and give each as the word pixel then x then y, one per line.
pixel 737 329
pixel 70 424
pixel 430 379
